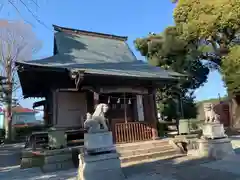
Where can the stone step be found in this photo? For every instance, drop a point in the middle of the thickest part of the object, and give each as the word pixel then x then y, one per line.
pixel 145 150
pixel 57 166
pixel 58 158
pixel 142 145
pixel 30 153
pixel 141 157
pixel 31 162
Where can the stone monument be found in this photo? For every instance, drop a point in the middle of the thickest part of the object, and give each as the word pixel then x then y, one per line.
pixel 214 143
pixel 99 161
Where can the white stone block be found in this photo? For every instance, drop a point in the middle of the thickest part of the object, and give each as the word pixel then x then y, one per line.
pixel 57 158
pixel 213 130
pixel 56 139
pixel 98 142
pixel 57 166
pixel 215 148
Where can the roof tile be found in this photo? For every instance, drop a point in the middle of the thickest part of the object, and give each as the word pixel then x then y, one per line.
pixel 98 55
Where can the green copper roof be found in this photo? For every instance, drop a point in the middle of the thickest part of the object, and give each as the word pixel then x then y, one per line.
pixel 88 49
pixel 99 55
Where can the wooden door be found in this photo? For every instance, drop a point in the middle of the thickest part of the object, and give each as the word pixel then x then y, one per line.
pixel 116 112
pixel 71 109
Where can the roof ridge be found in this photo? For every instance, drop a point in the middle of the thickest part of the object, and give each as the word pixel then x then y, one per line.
pixel 89 33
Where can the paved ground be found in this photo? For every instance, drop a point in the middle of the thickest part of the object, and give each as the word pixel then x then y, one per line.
pixel 10 155
pixel 182 168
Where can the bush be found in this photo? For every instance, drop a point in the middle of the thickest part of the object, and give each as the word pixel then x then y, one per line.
pixel 2 133
pixel 195 124
pixel 161 127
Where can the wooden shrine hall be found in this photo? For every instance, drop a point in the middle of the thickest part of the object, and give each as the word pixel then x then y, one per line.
pixel 88 68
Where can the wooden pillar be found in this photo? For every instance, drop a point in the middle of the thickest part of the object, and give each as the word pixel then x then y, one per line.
pixel 45 115
pixel 50 107
pixel 140 108
pixel 90 102
pixel 95 99
pixel 150 112
pixel 153 114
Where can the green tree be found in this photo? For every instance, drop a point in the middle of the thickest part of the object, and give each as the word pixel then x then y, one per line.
pixel 168 50
pixel 213 27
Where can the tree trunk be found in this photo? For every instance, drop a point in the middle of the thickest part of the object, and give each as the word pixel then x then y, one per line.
pixel 235 114
pixel 8 116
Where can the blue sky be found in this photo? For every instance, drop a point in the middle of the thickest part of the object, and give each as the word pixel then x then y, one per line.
pixel 123 17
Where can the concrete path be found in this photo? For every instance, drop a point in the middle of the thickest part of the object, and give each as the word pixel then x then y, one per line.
pixel 10 167
pixel 182 168
pixel 10 155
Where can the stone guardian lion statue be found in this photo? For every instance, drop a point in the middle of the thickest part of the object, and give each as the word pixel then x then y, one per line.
pixel 93 122
pixel 210 115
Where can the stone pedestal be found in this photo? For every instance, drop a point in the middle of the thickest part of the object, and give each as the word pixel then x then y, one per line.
pixel 214 143
pixel 213 130
pixel 215 148
pixel 56 138
pixel 57 160
pixel 100 160
pixel 98 142
pixel 100 167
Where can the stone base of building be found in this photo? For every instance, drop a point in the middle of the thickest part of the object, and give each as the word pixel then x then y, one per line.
pixel 29 159
pixel 51 160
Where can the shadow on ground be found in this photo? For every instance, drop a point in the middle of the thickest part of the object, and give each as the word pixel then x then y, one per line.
pixel 180 168
pixel 237 151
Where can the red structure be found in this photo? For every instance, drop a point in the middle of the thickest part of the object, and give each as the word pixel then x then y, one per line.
pixel 222 109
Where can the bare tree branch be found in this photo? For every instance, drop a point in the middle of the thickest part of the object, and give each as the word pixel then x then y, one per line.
pixel 1 6
pixel 18 42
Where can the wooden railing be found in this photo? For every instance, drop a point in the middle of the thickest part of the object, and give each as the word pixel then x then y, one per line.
pixel 132 132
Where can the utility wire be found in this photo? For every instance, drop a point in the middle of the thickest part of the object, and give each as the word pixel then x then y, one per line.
pixel 14 6
pixel 30 11
pixel 34 16
pixel 36 4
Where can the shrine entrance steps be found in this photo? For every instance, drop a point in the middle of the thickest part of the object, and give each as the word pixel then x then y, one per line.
pixel 154 149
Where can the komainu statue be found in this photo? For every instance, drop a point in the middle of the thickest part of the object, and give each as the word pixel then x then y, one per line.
pixel 93 122
pixel 210 115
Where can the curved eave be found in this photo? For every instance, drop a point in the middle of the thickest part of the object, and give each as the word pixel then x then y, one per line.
pixel 89 72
